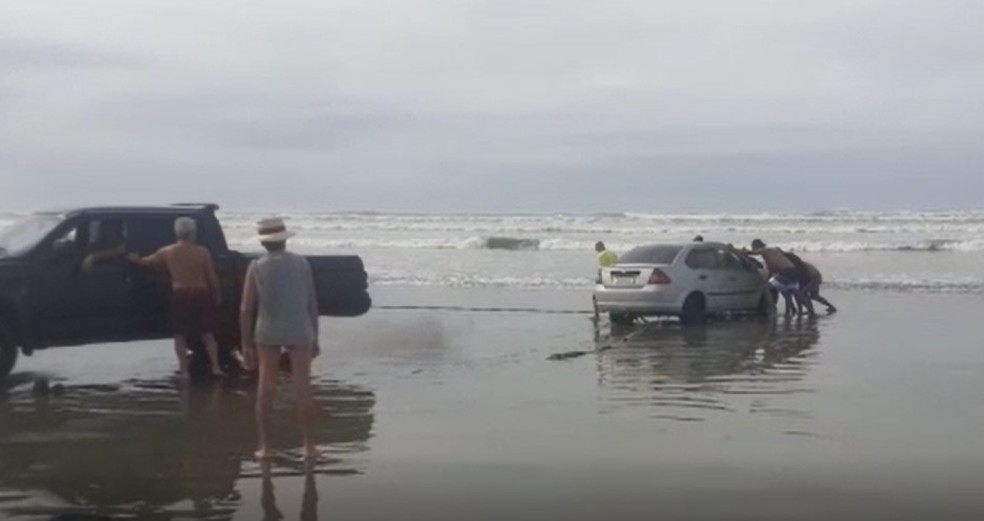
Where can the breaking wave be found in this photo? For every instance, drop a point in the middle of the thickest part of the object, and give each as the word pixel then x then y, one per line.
pixel 569 244
pixel 428 243
pixel 887 284
pixel 909 286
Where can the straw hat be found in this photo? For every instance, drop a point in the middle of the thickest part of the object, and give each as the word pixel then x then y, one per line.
pixel 273 229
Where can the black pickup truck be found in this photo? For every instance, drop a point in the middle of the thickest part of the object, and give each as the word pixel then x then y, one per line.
pixel 48 298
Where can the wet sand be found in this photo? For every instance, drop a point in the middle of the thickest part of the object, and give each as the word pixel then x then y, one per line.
pixel 874 413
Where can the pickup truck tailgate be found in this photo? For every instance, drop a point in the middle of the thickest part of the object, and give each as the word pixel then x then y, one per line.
pixel 342 285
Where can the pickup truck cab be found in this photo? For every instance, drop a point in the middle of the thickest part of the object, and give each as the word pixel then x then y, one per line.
pixel 49 297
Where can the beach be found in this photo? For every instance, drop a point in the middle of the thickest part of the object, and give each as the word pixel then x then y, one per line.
pixel 492 403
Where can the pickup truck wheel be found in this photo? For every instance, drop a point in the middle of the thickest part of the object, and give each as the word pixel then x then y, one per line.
pixel 694 310
pixel 8 351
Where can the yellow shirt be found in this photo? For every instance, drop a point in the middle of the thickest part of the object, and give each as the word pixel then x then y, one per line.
pixel 607 259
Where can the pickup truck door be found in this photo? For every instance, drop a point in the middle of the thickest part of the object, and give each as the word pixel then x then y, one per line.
pixel 76 305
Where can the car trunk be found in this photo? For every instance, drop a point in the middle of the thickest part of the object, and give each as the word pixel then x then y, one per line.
pixel 628 276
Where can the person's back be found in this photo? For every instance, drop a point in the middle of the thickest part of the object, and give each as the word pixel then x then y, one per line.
pixel 283 280
pixel 189 264
pixel 814 272
pixel 801 267
pixel 607 259
pixel 776 260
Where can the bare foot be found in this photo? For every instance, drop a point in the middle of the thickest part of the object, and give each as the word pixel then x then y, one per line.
pixel 262 454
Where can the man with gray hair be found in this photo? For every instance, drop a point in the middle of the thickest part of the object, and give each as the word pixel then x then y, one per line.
pixel 195 293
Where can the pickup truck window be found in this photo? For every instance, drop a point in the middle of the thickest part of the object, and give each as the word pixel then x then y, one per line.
pixel 26 233
pixel 149 234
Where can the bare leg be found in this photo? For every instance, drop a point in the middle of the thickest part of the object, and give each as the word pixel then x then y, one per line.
pixel 181 351
pixel 300 363
pixel 212 348
pixel 269 366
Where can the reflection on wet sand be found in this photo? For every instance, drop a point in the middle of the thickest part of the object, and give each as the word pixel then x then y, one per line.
pixel 309 499
pixel 144 449
pixel 687 373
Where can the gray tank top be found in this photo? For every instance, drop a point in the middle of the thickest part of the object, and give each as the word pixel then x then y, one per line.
pixel 283 292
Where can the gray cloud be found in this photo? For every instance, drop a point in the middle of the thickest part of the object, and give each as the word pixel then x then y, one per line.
pixel 39 54
pixel 495 105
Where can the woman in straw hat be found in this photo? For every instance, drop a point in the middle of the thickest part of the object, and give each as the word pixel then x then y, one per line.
pixel 280 312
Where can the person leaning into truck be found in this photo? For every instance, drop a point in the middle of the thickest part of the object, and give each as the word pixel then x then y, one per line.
pixel 195 295
pixel 109 246
pixel 279 312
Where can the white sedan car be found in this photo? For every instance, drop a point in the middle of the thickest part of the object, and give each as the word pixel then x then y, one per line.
pixel 685 280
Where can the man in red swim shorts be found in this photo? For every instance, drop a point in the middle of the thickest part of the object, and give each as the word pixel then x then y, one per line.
pixel 195 294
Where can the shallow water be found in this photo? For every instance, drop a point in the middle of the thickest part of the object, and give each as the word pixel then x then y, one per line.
pixel 531 414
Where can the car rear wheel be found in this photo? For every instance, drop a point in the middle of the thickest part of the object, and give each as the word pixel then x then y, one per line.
pixel 8 350
pixel 694 309
pixel 766 305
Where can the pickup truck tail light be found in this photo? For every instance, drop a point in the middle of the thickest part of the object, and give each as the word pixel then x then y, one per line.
pixel 659 278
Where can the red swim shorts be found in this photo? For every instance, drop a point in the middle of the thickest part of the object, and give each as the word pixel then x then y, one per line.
pixel 193 311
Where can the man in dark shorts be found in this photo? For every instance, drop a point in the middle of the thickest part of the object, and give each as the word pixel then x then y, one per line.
pixel 812 290
pixel 805 279
pixel 195 294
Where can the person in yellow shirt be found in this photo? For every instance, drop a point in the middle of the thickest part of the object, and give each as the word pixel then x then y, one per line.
pixel 606 259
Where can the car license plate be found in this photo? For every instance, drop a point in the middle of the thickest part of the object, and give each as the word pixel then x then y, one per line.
pixel 624 280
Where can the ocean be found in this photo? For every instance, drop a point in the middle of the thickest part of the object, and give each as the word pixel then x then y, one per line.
pixel 928 252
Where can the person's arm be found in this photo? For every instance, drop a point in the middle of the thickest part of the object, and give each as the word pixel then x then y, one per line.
pixel 157 259
pixel 313 306
pixel 247 319
pixel 104 255
pixel 212 278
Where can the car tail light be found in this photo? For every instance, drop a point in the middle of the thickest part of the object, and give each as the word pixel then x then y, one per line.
pixel 659 278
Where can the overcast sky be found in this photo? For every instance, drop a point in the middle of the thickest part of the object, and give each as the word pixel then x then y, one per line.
pixel 494 105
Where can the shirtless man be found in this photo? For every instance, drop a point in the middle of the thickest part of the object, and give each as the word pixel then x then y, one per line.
pixel 195 294
pixel 781 268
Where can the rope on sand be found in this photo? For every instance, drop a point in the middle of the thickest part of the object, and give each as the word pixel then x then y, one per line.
pixel 489 309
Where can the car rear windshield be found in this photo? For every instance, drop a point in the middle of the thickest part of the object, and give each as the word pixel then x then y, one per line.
pixel 651 255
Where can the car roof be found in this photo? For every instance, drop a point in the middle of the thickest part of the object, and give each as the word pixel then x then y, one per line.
pixel 174 209
pixel 684 245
